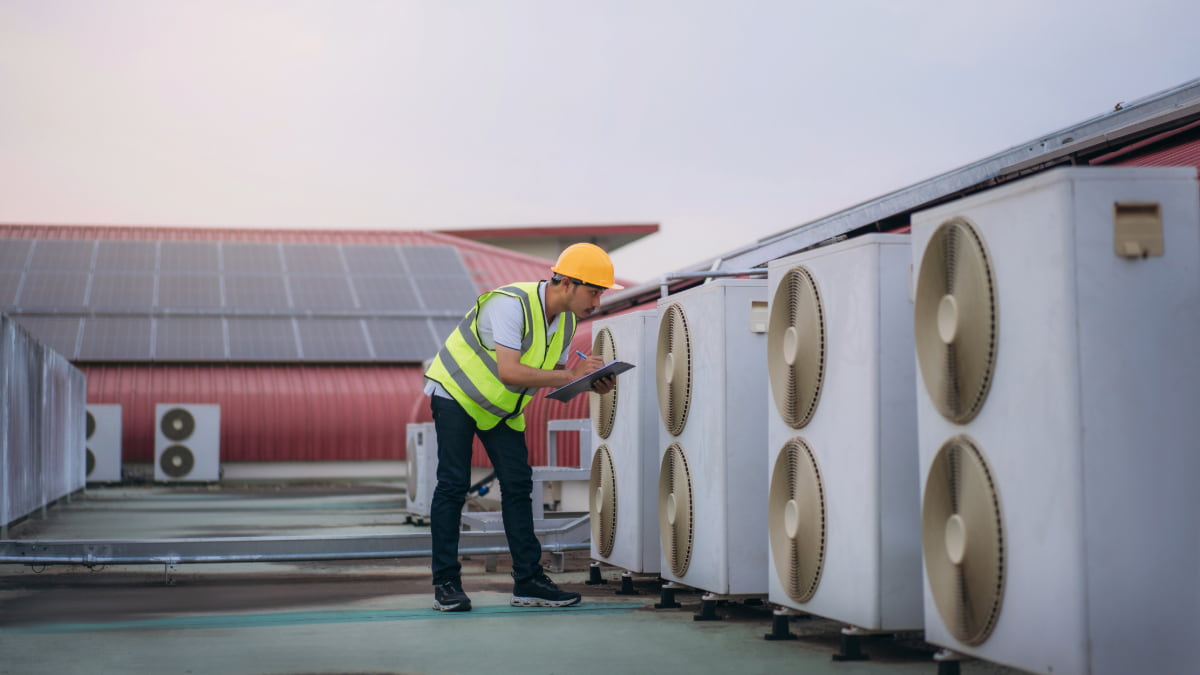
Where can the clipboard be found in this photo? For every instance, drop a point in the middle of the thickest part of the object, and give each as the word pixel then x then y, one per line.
pixel 569 391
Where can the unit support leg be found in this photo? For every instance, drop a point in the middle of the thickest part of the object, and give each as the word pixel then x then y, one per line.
pixel 594 578
pixel 779 625
pixel 667 599
pixel 708 609
pixel 626 585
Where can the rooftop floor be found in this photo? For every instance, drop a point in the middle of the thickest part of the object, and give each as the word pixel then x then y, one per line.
pixel 369 616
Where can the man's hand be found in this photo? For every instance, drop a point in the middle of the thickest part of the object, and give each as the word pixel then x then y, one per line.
pixel 604 384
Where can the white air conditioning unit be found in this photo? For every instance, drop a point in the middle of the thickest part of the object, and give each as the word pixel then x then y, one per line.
pixel 1055 324
pixel 421 459
pixel 103 443
pixel 187 442
pixel 711 377
pixel 623 494
pixel 844 500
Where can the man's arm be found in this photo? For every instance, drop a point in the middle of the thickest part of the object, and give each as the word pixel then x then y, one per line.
pixel 513 373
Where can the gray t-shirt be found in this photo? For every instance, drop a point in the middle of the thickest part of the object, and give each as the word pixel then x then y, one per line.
pixel 500 322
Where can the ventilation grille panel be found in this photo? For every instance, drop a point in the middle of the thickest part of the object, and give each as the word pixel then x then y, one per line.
pixel 604 406
pixel 674 369
pixel 797 520
pixel 796 347
pixel 962 537
pixel 955 320
pixel 675 510
pixel 602 501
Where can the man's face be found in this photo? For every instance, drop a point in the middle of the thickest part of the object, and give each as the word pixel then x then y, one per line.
pixel 584 300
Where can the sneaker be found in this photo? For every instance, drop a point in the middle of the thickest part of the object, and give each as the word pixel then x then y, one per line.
pixel 539 591
pixel 449 597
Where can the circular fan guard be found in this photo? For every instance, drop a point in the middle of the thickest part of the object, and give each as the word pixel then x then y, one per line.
pixel 675 511
pixel 962 537
pixel 796 347
pixel 955 320
pixel 177 461
pixel 177 424
pixel 674 369
pixel 796 520
pixel 91 462
pixel 604 406
pixel 602 501
pixel 91 425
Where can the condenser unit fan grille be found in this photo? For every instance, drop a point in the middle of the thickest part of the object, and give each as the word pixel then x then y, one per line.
pixel 675 511
pixel 674 369
pixel 797 520
pixel 603 501
pixel 796 347
pixel 962 536
pixel 91 458
pixel 178 424
pixel 177 461
pixel 955 320
pixel 604 406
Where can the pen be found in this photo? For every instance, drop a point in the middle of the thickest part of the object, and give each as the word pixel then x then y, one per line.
pixel 581 355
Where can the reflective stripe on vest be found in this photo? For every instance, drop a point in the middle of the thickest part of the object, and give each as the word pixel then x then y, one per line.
pixel 470 372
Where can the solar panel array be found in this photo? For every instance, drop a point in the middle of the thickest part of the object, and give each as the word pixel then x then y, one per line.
pixel 125 300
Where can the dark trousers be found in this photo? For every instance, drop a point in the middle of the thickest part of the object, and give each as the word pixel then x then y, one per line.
pixel 510 458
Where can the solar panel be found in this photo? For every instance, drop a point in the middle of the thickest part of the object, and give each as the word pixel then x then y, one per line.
pixel 448 293
pixel 126 292
pixel 53 290
pixel 316 259
pixel 59 333
pixel 10 282
pixel 181 292
pixel 333 339
pixel 257 339
pixel 180 257
pixel 125 338
pixel 247 258
pixel 431 260
pixel 387 293
pixel 402 339
pixel 255 293
pixel 374 260
pixel 315 293
pixel 189 339
pixel 14 253
pixel 62 255
pixel 116 255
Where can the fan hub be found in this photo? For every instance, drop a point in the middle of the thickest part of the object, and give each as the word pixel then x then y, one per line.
pixel 669 375
pixel 956 538
pixel 947 319
pixel 671 508
pixel 791 345
pixel 791 519
pixel 600 500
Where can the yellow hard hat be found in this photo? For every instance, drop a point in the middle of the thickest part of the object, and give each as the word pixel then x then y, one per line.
pixel 587 263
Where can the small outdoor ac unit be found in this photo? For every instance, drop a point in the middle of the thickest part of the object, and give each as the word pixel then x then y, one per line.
pixel 421 458
pixel 844 500
pixel 187 442
pixel 711 375
pixel 1055 325
pixel 103 443
pixel 623 495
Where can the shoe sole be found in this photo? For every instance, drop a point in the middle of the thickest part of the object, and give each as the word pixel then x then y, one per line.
pixel 521 601
pixel 456 607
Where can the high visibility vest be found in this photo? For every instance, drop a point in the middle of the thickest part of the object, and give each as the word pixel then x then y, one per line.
pixel 470 372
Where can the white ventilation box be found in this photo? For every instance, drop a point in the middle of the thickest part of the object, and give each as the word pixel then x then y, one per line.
pixel 421 459
pixel 623 496
pixel 103 443
pixel 1055 323
pixel 844 501
pixel 711 384
pixel 187 442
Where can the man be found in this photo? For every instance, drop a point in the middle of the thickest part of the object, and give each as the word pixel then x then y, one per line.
pixel 514 341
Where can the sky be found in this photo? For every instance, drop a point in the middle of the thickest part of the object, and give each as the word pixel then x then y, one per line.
pixel 723 121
